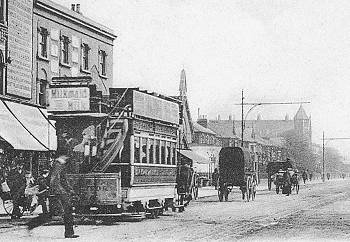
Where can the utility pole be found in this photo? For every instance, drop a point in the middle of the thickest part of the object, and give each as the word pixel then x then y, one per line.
pixel 242 125
pixel 323 177
pixel 323 151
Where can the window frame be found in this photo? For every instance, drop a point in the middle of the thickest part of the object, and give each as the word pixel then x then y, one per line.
pixel 43 43
pixel 85 57
pixel 102 63
pixel 64 52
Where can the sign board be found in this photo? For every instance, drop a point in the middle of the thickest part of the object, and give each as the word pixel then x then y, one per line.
pixel 19 71
pixel 151 174
pixel 155 108
pixel 69 99
pixel 97 188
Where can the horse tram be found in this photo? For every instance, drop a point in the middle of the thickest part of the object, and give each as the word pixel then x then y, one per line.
pixel 125 159
pixel 236 170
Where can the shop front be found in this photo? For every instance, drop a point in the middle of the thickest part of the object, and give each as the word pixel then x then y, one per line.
pixel 27 138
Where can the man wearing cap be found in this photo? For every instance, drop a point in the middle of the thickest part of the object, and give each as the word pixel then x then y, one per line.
pixel 60 188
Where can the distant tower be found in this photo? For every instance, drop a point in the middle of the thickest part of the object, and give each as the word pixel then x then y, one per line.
pixel 302 124
pixel 183 85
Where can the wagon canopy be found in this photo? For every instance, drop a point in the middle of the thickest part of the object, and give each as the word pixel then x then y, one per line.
pixel 274 167
pixel 233 162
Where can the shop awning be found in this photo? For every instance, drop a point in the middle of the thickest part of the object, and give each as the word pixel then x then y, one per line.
pixel 26 127
pixel 194 156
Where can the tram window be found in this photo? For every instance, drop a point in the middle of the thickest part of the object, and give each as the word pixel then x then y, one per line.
pixel 137 150
pixel 151 150
pixel 168 153
pixel 173 149
pixel 144 150
pixel 157 142
pixel 162 150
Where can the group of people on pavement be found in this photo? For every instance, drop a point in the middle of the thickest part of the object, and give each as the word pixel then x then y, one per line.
pixel 51 187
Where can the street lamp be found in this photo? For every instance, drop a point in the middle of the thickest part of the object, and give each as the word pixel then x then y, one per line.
pixel 254 105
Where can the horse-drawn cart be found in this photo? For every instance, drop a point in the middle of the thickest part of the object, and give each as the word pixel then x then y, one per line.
pixel 236 169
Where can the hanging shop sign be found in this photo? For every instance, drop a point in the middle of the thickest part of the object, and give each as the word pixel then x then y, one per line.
pixel 69 99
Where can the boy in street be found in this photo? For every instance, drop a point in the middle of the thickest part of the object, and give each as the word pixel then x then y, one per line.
pixel 60 188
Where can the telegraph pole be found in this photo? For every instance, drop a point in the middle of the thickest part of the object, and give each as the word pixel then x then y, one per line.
pixel 242 125
pixel 255 105
pixel 323 177
pixel 323 151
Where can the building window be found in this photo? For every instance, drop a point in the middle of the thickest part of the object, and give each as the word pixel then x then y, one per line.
pixel 43 33
pixel 85 57
pixel 102 62
pixel 42 76
pixel 64 49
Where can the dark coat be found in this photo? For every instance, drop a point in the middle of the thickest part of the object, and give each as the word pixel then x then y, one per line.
pixel 58 182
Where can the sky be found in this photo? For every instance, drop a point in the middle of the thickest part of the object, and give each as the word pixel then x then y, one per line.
pixel 275 50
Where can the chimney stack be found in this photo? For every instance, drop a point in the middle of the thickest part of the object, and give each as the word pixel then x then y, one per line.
pixel 203 121
pixel 78 8
pixel 73 7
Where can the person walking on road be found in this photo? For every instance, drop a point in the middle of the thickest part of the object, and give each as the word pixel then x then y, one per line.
pixel 304 176
pixel 215 178
pixel 60 188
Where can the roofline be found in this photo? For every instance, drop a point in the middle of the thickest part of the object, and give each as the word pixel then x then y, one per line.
pixel 74 17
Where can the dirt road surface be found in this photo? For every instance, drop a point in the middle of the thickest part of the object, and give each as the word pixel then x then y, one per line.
pixel 320 212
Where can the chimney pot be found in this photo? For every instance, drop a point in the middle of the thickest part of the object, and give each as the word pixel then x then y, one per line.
pixel 78 8
pixel 73 7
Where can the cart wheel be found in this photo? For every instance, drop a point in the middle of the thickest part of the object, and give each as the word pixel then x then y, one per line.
pixel 8 206
pixel 277 190
pixel 220 194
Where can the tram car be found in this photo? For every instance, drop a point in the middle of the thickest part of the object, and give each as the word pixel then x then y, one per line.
pixel 236 169
pixel 126 160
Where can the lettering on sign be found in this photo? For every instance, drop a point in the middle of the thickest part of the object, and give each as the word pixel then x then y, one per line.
pixel 153 174
pixel 69 99
pixel 19 78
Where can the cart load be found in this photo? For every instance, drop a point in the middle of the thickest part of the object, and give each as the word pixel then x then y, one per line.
pixel 274 167
pixel 236 169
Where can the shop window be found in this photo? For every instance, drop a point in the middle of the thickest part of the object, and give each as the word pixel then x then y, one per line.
pixel 151 151
pixel 137 150
pixel 144 150
pixel 102 56
pixel 162 150
pixel 157 142
pixel 64 50
pixel 85 57
pixel 168 153
pixel 42 48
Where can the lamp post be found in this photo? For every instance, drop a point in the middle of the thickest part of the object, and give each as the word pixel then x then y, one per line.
pixel 254 105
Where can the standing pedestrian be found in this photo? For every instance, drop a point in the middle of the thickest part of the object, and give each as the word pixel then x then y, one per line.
pixel 17 184
pixel 43 182
pixel 304 176
pixel 60 188
pixel 215 178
